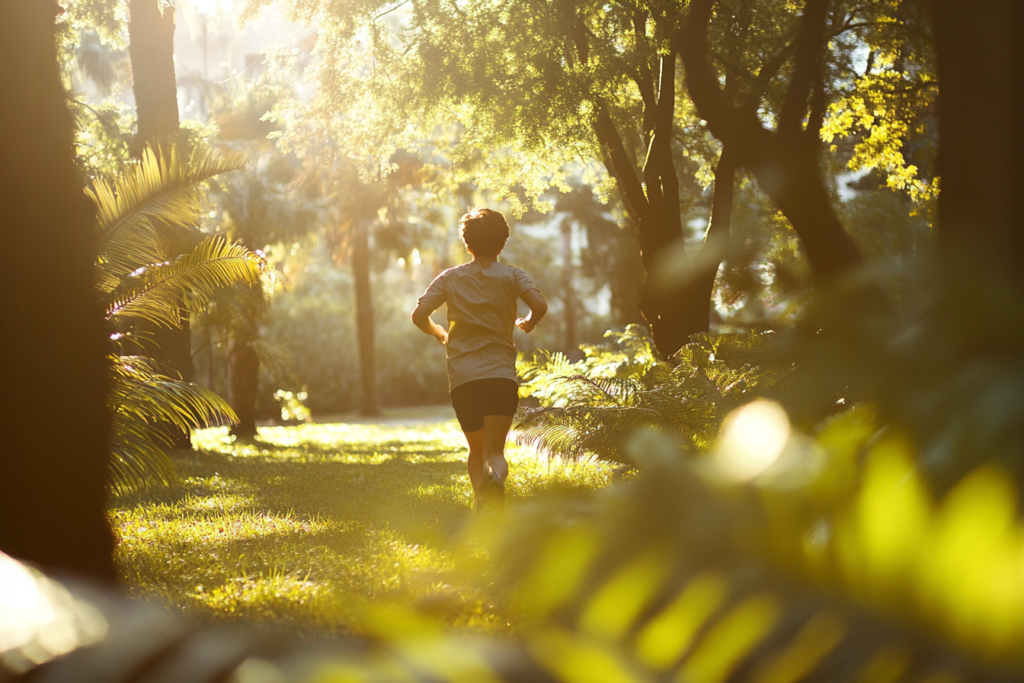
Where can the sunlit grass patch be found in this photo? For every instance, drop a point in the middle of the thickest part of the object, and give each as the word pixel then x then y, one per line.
pixel 308 525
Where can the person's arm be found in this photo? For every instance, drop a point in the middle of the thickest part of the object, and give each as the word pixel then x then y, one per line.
pixel 538 307
pixel 421 319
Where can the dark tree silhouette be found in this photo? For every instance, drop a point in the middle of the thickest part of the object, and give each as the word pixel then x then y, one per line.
pixel 981 76
pixel 55 420
pixel 784 161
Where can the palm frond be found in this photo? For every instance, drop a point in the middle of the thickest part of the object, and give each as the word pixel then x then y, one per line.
pixel 138 458
pixel 162 186
pixel 145 401
pixel 143 390
pixel 155 293
pixel 274 357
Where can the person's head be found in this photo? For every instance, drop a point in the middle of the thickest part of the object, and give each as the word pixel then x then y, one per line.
pixel 484 232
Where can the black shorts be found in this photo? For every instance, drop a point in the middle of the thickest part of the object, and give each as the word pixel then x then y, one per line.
pixel 473 400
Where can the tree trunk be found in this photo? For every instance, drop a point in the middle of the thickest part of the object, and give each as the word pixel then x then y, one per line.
pixel 570 340
pixel 981 142
pixel 788 171
pixel 626 280
pixel 56 429
pixel 243 385
pixel 211 368
pixel 716 245
pixel 365 330
pixel 653 200
pixel 151 52
pixel 663 309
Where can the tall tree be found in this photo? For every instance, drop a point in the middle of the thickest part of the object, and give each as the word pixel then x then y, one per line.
pixel 570 326
pixel 151 51
pixel 52 480
pixel 359 255
pixel 543 85
pixel 366 223
pixel 257 209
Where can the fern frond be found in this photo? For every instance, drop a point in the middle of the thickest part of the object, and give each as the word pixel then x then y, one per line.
pixel 559 440
pixel 155 293
pixel 619 389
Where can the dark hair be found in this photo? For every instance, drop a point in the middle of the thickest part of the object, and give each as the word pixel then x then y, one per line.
pixel 484 231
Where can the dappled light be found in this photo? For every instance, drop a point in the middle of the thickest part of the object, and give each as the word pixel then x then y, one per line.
pixel 311 521
pixel 507 341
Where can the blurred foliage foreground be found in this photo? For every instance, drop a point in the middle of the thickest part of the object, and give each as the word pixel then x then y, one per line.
pixel 875 540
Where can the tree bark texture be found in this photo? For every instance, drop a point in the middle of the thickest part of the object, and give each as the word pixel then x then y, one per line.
pixel 784 162
pixel 56 424
pixel 243 384
pixel 654 205
pixel 365 325
pixel 981 140
pixel 151 51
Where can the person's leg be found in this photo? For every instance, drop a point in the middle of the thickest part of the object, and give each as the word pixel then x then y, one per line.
pixel 475 463
pixel 468 409
pixel 493 437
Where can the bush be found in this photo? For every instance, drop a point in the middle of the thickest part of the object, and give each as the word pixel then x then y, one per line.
pixel 596 405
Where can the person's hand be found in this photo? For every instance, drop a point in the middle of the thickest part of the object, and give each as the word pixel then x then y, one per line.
pixel 442 336
pixel 525 324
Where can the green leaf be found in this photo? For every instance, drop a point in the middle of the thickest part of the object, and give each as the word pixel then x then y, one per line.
pixel 161 187
pixel 148 405
pixel 156 293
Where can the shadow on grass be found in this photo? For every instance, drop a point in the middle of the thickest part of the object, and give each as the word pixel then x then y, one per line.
pixel 427 500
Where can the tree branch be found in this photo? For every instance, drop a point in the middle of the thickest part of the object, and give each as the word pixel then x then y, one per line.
pixel 659 170
pixel 644 79
pixel 767 72
pixel 701 81
pixel 621 167
pixel 616 158
pixel 644 83
pixel 807 69
pixel 819 103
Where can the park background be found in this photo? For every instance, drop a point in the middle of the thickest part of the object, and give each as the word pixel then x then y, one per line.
pixel 770 429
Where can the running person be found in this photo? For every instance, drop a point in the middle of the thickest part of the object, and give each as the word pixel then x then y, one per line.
pixel 482 301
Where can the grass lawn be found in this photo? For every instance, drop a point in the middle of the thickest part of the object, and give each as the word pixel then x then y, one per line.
pixel 308 524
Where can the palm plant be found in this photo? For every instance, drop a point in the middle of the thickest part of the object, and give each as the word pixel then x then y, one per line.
pixel 140 285
pixel 596 405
